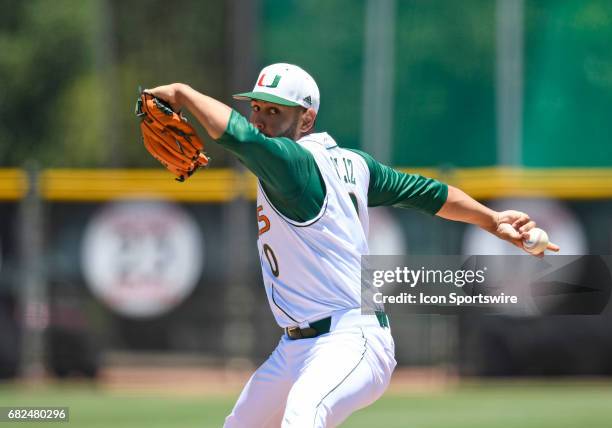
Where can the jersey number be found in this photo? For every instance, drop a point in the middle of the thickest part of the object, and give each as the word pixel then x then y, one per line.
pixel 262 218
pixel 271 259
pixel 263 223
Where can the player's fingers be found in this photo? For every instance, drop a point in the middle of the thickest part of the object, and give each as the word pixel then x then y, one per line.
pixel 166 93
pixel 509 216
pixel 552 247
pixel 524 229
pixel 521 220
pixel 506 231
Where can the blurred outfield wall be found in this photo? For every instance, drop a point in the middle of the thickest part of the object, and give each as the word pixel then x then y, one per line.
pixel 80 232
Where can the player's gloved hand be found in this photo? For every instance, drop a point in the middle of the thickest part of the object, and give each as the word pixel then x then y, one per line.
pixel 168 93
pixel 514 226
pixel 168 136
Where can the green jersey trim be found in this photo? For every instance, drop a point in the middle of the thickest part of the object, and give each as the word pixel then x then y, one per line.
pixel 287 172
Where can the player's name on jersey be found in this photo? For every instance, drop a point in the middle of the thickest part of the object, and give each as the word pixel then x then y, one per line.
pixel 452 299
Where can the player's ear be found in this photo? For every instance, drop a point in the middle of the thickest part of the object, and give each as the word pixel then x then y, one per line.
pixel 308 120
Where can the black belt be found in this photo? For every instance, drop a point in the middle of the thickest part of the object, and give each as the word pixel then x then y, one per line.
pixel 322 326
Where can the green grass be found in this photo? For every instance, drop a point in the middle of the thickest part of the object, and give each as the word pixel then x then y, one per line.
pixel 500 406
pixel 523 405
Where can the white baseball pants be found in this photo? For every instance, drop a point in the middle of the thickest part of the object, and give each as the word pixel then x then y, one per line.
pixel 319 382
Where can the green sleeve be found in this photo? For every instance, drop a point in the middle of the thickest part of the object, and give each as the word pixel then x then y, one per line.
pixel 390 187
pixel 287 172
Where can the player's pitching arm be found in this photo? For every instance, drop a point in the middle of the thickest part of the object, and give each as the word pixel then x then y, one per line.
pixel 212 114
pixel 512 226
pixel 284 168
pixel 390 187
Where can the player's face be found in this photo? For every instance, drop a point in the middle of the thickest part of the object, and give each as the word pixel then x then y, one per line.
pixel 275 120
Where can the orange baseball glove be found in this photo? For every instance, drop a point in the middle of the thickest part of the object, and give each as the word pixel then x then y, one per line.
pixel 169 137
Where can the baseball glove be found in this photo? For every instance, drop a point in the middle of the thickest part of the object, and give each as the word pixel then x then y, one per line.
pixel 168 136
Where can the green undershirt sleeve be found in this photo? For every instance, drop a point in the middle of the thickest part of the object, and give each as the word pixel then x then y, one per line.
pixel 288 173
pixel 390 187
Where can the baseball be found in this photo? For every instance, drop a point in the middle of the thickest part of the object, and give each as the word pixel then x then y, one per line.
pixel 537 241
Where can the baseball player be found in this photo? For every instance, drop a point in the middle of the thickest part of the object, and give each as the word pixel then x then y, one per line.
pixel 312 212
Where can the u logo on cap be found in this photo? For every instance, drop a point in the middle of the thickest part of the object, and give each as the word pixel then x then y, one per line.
pixel 274 83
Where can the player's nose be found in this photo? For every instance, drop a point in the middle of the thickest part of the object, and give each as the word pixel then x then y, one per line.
pixel 257 123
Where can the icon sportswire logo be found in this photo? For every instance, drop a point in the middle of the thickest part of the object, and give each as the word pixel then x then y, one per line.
pixel 274 84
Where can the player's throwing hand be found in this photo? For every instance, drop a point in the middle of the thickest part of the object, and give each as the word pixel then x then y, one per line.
pixel 514 226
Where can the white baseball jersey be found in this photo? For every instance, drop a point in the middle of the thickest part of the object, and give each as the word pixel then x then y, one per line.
pixel 313 268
